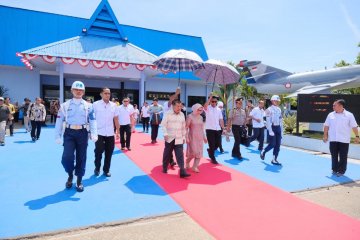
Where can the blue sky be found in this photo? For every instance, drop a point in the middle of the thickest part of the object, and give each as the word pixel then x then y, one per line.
pixel 292 35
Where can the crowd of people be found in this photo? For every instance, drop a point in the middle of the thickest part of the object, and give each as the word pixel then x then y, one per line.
pixel 106 120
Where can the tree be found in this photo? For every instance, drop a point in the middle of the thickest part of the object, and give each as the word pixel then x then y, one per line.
pixel 3 91
pixel 342 63
pixel 357 61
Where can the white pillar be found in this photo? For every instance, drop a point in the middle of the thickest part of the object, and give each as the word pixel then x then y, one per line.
pixel 142 89
pixel 61 82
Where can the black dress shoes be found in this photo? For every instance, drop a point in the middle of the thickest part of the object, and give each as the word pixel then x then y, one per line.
pixel 213 161
pixel 96 172
pixel 107 174
pixel 184 174
pixel 69 183
pixel 262 155
pixel 238 156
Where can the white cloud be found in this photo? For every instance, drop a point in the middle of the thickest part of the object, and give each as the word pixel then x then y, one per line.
pixel 355 30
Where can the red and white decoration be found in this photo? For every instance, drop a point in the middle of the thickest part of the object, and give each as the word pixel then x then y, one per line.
pixel 83 62
pixel 25 61
pixel 140 67
pixel 288 85
pixel 98 64
pixel 49 59
pixel 26 58
pixel 124 65
pixel 113 65
pixel 67 60
pixel 30 56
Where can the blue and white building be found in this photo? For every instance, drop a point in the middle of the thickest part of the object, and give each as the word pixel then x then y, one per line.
pixel 43 53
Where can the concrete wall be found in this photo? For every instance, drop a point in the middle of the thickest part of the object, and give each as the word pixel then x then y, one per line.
pixel 21 82
pixel 316 145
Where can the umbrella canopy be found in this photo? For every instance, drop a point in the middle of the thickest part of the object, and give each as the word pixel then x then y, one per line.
pixel 179 60
pixel 218 72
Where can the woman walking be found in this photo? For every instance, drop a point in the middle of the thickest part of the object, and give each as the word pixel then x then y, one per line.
pixel 195 136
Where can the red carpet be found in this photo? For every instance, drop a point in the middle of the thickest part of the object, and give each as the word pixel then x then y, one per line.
pixel 231 205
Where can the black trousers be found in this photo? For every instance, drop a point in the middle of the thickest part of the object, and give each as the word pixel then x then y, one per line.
pixel 125 141
pixel 219 141
pixel 53 118
pixel 213 141
pixel 154 131
pixel 179 154
pixel 250 129
pixel 106 144
pixel 237 130
pixel 339 152
pixel 11 127
pixel 35 125
pixel 145 123
pixel 258 134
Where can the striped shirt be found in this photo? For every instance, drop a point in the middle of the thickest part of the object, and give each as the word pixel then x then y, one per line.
pixel 173 126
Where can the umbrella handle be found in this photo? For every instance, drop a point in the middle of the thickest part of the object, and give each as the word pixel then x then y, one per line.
pixel 179 74
pixel 212 89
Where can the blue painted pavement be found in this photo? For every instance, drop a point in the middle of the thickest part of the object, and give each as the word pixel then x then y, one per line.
pixel 34 198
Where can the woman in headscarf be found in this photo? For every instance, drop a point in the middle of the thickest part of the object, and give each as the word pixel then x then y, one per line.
pixel 195 136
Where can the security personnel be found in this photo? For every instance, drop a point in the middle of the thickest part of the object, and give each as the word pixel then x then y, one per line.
pixel 77 114
pixel 274 126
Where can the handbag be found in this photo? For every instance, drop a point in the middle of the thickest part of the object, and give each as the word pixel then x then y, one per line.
pixel 244 138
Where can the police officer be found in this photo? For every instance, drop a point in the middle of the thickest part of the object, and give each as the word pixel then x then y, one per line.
pixel 77 115
pixel 274 126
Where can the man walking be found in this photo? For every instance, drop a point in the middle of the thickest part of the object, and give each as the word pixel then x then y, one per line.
pixel 249 107
pixel 214 122
pixel 4 116
pixel 25 108
pixel 173 126
pixel 125 117
pixel 274 126
pixel 12 112
pixel 37 115
pixel 77 115
pixel 236 122
pixel 156 111
pixel 106 115
pixel 337 130
pixel 257 117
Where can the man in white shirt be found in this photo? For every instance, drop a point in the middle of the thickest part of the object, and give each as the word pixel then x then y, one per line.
pixel 106 113
pixel 337 130
pixel 125 115
pixel 214 123
pixel 257 117
pixel 145 116
pixel 173 126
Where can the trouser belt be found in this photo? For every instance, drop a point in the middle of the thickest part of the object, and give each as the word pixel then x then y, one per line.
pixel 76 127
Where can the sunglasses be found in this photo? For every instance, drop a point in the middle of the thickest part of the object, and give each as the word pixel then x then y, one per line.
pixel 125 101
pixel 214 101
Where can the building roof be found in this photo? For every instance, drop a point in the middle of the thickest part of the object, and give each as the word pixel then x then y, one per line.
pixel 95 48
pixel 25 29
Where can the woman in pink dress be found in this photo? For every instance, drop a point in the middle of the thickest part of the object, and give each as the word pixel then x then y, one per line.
pixel 195 136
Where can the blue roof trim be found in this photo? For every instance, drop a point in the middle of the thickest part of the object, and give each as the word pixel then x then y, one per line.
pixel 103 23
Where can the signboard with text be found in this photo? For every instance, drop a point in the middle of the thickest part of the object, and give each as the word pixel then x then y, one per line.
pixel 314 108
pixel 159 95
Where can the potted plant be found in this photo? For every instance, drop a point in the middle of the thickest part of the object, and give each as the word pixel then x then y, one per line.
pixel 289 123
